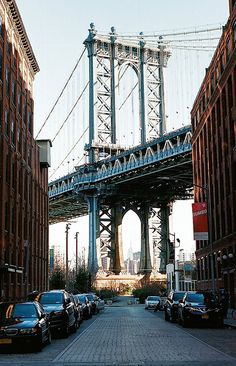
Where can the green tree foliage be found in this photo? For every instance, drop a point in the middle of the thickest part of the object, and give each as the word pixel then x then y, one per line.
pixel 153 288
pixel 82 280
pixel 57 279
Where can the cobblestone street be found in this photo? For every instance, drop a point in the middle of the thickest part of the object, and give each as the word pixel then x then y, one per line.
pixel 129 335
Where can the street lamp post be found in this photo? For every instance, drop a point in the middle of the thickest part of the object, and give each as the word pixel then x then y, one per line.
pixel 76 252
pixel 67 230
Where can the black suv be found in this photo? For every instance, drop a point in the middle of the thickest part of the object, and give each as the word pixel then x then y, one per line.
pixel 58 304
pixel 171 305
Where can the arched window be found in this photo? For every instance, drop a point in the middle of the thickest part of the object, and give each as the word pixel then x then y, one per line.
pixel 234 31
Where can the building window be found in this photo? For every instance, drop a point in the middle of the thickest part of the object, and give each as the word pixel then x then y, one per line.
pixel 7 122
pixel 1 27
pixel 228 49
pixel 29 122
pixel 234 31
pixel 29 156
pixel 24 147
pixel 19 103
pixel 13 91
pixel 6 217
pixel 222 62
pixel 7 169
pixel 1 62
pixel 1 121
pixel 13 132
pixel 18 140
pixel 7 76
pixel 24 113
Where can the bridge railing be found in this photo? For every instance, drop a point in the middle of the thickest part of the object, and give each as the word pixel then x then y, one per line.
pixel 104 172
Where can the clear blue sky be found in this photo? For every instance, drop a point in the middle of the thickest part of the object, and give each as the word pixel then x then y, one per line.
pixel 57 29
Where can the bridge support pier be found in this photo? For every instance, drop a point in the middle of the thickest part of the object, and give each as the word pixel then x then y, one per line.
pixel 94 238
pixel 116 240
pixel 145 259
pixel 164 236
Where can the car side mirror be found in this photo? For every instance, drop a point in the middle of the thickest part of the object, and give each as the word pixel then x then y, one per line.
pixel 181 301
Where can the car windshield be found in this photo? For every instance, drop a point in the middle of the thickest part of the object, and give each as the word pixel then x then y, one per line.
pixel 199 298
pixel 153 298
pixel 178 296
pixel 51 298
pixel 90 297
pixel 8 311
pixel 82 299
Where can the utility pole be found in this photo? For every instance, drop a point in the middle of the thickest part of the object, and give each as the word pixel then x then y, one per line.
pixel 76 252
pixel 67 230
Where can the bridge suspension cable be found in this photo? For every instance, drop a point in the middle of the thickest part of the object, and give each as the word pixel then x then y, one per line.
pixel 164 34
pixel 79 139
pixel 63 89
pixel 69 114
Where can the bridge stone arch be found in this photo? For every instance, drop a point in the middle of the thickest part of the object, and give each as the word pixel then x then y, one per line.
pixel 106 56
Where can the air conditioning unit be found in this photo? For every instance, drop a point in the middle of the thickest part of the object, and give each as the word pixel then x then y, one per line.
pixel 44 153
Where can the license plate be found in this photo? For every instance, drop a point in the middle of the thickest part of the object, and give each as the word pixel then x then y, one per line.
pixel 205 316
pixel 5 341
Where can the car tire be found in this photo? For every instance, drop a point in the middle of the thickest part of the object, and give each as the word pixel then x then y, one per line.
pixel 38 344
pixel 74 327
pixel 167 318
pixel 66 331
pixel 185 323
pixel 220 323
pixel 49 340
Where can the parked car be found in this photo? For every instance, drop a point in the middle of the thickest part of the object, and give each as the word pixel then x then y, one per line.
pixel 86 306
pixel 24 324
pixel 77 310
pixel 200 307
pixel 152 302
pixel 58 304
pixel 171 305
pixel 100 303
pixel 92 299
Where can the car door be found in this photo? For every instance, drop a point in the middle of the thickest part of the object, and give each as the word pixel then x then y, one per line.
pixel 169 303
pixel 43 320
pixel 70 309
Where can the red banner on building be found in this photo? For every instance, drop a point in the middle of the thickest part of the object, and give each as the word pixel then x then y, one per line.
pixel 200 222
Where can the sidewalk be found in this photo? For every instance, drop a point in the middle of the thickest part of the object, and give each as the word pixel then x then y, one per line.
pixel 229 321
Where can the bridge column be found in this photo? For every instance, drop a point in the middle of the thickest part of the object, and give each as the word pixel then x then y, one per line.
pixel 145 259
pixel 93 234
pixel 116 240
pixel 142 93
pixel 164 236
pixel 90 45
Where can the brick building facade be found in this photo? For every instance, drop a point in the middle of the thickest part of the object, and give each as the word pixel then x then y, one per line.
pixel 23 175
pixel 214 163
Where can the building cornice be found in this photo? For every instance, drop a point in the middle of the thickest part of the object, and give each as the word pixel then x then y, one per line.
pixel 16 18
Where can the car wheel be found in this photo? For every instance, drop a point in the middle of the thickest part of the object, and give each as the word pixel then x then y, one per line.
pixel 49 340
pixel 74 327
pixel 38 344
pixel 167 318
pixel 185 323
pixel 220 323
pixel 172 318
pixel 66 331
